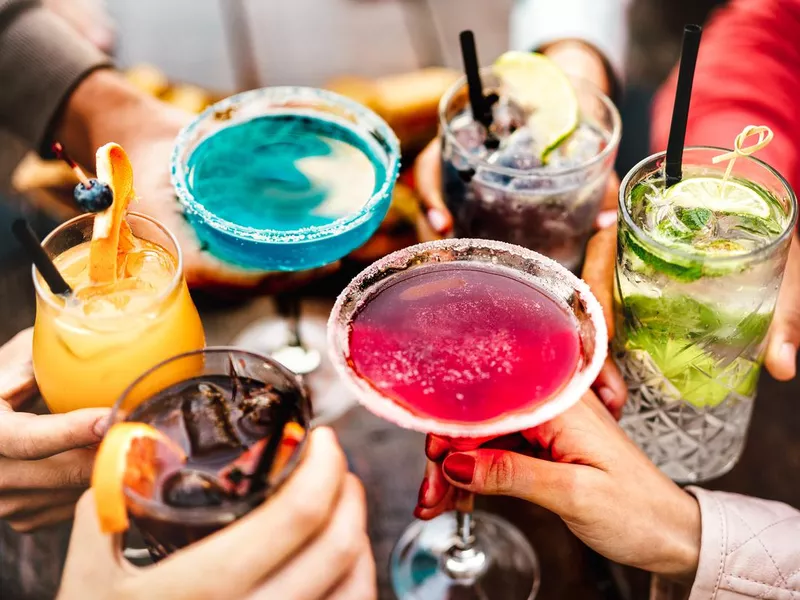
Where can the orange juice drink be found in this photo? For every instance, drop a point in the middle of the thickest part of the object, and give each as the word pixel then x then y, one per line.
pixel 129 310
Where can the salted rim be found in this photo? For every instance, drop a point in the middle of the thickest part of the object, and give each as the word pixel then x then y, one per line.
pixel 47 296
pixel 641 234
pixel 541 171
pixel 229 512
pixel 179 172
pixel 388 409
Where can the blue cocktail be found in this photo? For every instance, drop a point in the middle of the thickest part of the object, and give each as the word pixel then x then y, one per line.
pixel 285 178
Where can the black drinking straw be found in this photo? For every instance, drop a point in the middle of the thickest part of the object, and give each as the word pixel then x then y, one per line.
pixel 25 235
pixel 259 479
pixel 680 111
pixel 481 110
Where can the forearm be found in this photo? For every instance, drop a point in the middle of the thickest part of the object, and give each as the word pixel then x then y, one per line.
pixel 596 30
pixel 106 108
pixel 41 61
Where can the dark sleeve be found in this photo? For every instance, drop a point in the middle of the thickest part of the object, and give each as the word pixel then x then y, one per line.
pixel 41 61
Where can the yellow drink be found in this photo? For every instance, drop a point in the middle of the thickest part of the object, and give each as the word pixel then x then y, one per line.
pixel 88 348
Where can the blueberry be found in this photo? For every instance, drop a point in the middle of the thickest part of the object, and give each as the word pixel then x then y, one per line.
pixel 95 198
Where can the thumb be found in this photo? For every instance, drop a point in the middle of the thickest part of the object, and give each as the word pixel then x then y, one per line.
pixel 428 182
pixel 24 436
pixel 784 338
pixel 93 556
pixel 504 473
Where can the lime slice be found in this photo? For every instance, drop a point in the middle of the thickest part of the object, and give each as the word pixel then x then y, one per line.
pixel 710 193
pixel 542 88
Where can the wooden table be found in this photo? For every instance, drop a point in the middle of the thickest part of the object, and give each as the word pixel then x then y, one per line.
pixel 390 462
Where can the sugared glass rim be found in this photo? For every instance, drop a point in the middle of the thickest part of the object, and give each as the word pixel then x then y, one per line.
pixel 543 171
pixel 44 293
pixel 641 234
pixel 279 236
pixel 211 515
pixel 386 408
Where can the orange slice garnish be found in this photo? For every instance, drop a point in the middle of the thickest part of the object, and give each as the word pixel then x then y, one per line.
pixel 127 457
pixel 110 235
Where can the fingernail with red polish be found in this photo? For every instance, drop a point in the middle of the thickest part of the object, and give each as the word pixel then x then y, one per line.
pixel 460 467
pixel 423 492
pixel 435 448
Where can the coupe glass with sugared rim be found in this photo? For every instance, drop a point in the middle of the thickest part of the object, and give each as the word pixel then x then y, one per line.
pixel 490 294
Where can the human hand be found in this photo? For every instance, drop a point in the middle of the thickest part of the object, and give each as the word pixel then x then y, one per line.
pixel 45 460
pixel 581 60
pixel 106 108
pixel 598 272
pixel 584 468
pixel 306 542
pixel 784 334
pixel 574 57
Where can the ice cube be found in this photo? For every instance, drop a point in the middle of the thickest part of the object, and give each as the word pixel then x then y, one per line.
pixel 208 421
pixel 258 412
pixel 193 489
pixel 112 298
pixel 148 263
pixel 470 134
pixel 507 117
pixel 521 160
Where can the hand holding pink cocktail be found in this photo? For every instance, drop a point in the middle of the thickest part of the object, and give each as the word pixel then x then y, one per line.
pixel 470 340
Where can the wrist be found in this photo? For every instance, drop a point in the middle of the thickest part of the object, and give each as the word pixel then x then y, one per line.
pixel 582 60
pixel 680 530
pixel 105 108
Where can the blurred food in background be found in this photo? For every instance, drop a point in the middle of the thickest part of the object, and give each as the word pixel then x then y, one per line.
pixel 408 102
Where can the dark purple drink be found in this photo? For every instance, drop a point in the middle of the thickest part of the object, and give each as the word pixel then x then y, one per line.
pixel 497 187
pixel 222 422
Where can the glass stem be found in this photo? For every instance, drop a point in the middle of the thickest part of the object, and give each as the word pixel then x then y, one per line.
pixel 465 536
pixel 464 560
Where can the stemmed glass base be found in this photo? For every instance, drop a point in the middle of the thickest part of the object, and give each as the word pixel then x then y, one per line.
pixel 429 563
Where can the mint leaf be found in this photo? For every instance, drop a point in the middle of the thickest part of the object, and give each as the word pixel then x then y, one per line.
pixel 670 317
pixel 691 271
pixel 694 218
pixel 767 228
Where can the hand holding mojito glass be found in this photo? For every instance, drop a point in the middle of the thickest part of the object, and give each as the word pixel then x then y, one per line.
pixel 699 267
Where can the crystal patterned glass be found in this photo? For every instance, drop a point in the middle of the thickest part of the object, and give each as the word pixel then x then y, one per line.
pixel 691 328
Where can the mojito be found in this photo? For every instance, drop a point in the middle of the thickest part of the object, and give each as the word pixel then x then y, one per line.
pixel 699 267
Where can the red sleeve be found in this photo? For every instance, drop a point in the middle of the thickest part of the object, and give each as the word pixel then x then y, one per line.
pixel 748 73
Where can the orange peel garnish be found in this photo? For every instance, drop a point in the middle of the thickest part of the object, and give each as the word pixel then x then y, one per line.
pixel 110 236
pixel 293 434
pixel 126 458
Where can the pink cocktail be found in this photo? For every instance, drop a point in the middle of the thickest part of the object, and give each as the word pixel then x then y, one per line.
pixel 467 339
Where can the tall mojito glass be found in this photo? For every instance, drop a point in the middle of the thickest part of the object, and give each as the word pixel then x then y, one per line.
pixel 699 267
